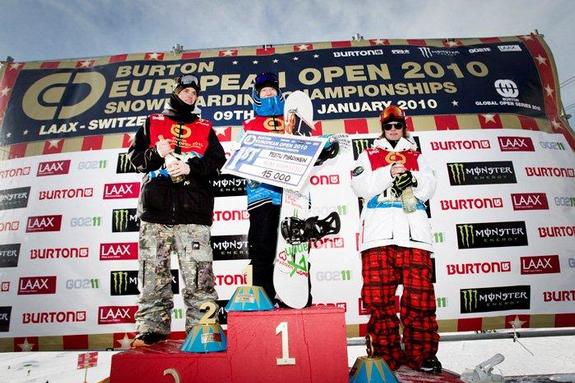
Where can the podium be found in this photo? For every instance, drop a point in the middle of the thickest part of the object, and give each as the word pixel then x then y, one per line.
pixel 282 345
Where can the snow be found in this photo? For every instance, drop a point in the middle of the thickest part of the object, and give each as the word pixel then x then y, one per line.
pixel 552 355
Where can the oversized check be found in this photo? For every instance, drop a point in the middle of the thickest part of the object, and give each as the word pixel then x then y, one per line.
pixel 281 160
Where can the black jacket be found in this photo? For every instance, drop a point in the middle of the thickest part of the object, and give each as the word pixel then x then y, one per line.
pixel 188 202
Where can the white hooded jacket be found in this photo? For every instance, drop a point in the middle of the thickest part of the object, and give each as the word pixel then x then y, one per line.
pixel 383 221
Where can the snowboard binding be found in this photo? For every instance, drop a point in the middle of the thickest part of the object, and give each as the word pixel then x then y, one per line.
pixel 482 373
pixel 330 150
pixel 295 230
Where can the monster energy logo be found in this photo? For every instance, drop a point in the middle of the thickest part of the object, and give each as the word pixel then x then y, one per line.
pixel 120 281
pixel 120 218
pixel 457 173
pixel 470 299
pixel 177 314
pixel 359 145
pixel 441 302
pixel 124 164
pixel 466 235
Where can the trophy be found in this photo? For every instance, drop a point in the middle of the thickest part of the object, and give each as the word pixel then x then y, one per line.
pixel 207 336
pixel 371 369
pixel 249 298
pixel 170 158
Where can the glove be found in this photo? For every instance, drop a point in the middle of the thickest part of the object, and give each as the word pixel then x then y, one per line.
pixel 401 182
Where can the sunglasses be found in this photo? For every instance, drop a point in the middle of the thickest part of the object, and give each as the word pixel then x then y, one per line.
pixel 392 126
pixel 188 80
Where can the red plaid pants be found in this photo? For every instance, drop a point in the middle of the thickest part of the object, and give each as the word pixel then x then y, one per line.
pixel 383 269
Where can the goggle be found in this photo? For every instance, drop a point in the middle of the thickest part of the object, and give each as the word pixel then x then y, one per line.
pixel 188 79
pixel 392 112
pixel 393 125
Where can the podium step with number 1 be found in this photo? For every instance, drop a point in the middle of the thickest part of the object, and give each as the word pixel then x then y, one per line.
pixel 282 345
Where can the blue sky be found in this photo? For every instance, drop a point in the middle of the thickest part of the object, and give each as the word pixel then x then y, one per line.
pixel 52 29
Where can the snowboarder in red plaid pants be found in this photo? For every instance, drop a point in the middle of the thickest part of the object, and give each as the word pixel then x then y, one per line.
pixel 394 180
pixel 383 269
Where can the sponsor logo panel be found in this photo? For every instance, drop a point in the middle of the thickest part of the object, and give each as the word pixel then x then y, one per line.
pixel 231 215
pixel 92 165
pixel 529 201
pixel 37 285
pixel 359 145
pixel 478 300
pixel 53 317
pixel 125 220
pixel 66 193
pixel 126 282
pixel 333 276
pixel 509 48
pixel 9 255
pixel 357 53
pixel 556 231
pixel 328 242
pixel 44 223
pixel 53 168
pixel 228 185
pixel 481 173
pixel 330 179
pixel 479 268
pixel 491 234
pixel 83 283
pixel 559 296
pixel 60 252
pixel 118 251
pixel 564 201
pixel 544 264
pixel 231 279
pixel 122 190
pixel 9 226
pixel 552 145
pixel 460 145
pixel 515 144
pixel 15 172
pixel 228 247
pixel 472 203
pixel 124 165
pixel 14 198
pixel 117 314
pixel 549 171
pixel 5 313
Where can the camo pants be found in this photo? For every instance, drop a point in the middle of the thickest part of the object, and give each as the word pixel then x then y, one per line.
pixel 191 243
pixel 383 269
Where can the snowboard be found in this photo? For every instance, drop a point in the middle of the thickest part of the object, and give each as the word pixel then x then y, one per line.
pixel 297 228
pixel 407 375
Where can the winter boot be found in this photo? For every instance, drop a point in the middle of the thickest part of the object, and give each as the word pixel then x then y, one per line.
pixel 147 339
pixel 431 365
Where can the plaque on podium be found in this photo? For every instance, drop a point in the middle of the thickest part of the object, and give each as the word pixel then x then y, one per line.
pixel 207 336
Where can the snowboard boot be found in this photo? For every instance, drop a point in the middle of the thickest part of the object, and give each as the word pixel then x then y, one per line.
pixel 431 366
pixel 145 339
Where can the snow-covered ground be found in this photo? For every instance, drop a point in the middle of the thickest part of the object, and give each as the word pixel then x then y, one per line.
pixel 552 355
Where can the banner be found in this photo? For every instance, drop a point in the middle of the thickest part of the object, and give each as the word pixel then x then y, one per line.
pixel 492 77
